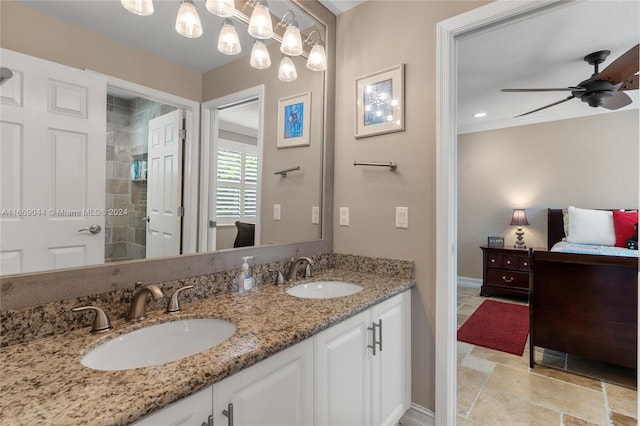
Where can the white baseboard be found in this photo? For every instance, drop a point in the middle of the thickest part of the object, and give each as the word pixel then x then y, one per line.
pixel 417 415
pixel 469 282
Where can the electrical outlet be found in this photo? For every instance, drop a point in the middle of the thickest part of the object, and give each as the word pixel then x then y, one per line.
pixel 344 216
pixel 402 217
pixel 276 212
pixel 315 215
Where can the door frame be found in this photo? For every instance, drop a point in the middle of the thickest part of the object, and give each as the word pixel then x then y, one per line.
pixel 448 33
pixel 209 128
pixel 190 176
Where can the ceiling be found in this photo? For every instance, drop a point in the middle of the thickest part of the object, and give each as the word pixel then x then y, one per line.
pixel 544 50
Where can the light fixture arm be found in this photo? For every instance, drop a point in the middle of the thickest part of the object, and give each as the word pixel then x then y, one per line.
pixel 284 23
pixel 311 42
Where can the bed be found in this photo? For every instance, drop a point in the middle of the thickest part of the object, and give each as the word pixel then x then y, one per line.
pixel 583 304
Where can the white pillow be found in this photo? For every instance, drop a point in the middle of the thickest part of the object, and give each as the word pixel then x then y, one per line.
pixel 591 227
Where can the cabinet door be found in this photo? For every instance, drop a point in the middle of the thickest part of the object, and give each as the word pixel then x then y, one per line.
pixel 275 392
pixel 343 373
pixel 190 411
pixel 391 375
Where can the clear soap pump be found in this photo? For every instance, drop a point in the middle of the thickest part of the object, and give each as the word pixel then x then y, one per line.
pixel 245 279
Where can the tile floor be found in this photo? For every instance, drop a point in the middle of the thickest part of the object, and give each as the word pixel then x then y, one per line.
pixel 497 388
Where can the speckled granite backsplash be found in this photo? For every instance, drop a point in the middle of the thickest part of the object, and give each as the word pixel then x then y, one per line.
pixel 30 323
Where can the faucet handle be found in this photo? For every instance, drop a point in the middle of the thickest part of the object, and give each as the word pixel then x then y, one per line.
pixel 279 277
pixel 307 270
pixel 101 321
pixel 174 303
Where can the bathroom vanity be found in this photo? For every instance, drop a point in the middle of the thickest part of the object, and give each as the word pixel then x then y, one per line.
pixel 345 359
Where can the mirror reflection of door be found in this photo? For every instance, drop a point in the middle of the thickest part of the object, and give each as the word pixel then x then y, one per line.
pixel 164 184
pixel 235 186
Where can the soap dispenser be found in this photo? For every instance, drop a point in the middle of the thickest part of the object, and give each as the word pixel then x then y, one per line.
pixel 245 279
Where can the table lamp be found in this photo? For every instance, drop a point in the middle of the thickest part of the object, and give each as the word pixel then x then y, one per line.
pixel 519 219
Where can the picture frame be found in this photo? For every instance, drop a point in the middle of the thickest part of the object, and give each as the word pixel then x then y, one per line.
pixel 380 102
pixel 294 121
pixel 495 241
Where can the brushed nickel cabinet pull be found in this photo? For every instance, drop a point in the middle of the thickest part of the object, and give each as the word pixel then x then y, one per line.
pixel 229 413
pixel 507 280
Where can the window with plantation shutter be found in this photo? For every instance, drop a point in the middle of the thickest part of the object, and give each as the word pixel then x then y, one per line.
pixel 236 182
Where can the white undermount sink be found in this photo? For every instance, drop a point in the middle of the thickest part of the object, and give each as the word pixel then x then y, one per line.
pixel 158 344
pixel 324 289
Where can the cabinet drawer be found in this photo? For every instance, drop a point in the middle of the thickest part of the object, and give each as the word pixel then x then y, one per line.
pixel 508 278
pixel 509 261
pixel 523 263
pixel 493 260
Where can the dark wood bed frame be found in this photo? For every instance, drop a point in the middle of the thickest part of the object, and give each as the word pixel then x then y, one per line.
pixel 583 304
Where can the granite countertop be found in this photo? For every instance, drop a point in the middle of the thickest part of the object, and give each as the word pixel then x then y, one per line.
pixel 43 381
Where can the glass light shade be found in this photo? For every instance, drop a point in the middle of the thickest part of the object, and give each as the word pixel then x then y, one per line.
pixel 317 58
pixel 291 41
pixel 228 41
pixel 188 21
pixel 287 71
pixel 260 58
pixel 223 8
pixel 260 25
pixel 139 7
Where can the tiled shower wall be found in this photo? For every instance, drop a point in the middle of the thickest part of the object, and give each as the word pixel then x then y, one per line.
pixel 127 128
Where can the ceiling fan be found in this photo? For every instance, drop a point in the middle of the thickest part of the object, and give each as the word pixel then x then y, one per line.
pixel 603 89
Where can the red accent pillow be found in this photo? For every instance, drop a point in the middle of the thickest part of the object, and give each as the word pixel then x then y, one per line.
pixel 623 225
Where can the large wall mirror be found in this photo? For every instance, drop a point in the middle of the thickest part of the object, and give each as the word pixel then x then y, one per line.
pixel 290 211
pixel 161 202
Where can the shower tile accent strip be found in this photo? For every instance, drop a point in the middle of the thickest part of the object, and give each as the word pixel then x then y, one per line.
pixel 35 322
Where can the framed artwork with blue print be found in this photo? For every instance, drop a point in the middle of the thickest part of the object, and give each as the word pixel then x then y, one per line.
pixel 380 102
pixel 294 115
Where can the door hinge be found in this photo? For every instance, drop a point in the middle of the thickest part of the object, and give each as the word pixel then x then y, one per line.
pixel 212 224
pixel 183 134
pixel 181 211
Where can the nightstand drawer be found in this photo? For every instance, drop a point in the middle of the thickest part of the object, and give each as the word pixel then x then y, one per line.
pixel 523 263
pixel 494 260
pixel 508 278
pixel 509 261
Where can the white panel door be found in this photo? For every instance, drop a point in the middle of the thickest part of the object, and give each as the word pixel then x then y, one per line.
pixel 164 185
pixel 276 392
pixel 391 387
pixel 52 160
pixel 193 410
pixel 343 373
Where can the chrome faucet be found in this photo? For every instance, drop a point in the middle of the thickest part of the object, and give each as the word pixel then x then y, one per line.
pixel 292 275
pixel 136 311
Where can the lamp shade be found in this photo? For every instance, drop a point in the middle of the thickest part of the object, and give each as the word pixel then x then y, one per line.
pixel 139 7
pixel 260 58
pixel 287 71
pixel 519 218
pixel 292 41
pixel 260 25
pixel 188 22
pixel 317 58
pixel 223 8
pixel 228 41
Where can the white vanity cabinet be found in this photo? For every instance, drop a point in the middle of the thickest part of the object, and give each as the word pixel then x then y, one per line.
pixel 190 411
pixel 275 392
pixel 354 386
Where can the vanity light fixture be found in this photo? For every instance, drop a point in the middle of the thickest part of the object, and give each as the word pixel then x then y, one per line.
pixel 291 40
pixel 317 60
pixel 260 58
pixel 188 22
pixel 222 8
pixel 138 7
pixel 287 70
pixel 228 40
pixel 260 25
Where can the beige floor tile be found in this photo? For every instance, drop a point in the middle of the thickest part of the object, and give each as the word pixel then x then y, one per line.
pixel 622 400
pixel 618 419
pixel 470 383
pixel 499 357
pixel 568 420
pixel 574 379
pixel 461 421
pixel 479 364
pixel 465 309
pixel 497 408
pixel 551 393
pixel 463 349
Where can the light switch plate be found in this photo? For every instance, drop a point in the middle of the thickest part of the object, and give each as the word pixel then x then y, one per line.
pixel 315 215
pixel 344 216
pixel 276 212
pixel 402 217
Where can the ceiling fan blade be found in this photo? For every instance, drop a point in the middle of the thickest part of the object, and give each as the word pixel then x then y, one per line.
pixel 623 67
pixel 617 101
pixel 568 98
pixel 559 89
pixel 630 83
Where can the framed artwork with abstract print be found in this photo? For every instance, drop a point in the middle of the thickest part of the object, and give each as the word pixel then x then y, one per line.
pixel 380 102
pixel 294 115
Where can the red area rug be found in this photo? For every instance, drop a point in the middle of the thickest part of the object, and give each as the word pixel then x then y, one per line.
pixel 497 325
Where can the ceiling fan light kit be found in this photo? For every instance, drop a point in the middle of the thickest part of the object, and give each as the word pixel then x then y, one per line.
pixel 603 89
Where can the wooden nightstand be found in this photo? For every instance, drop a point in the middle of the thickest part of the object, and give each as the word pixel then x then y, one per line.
pixel 505 271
